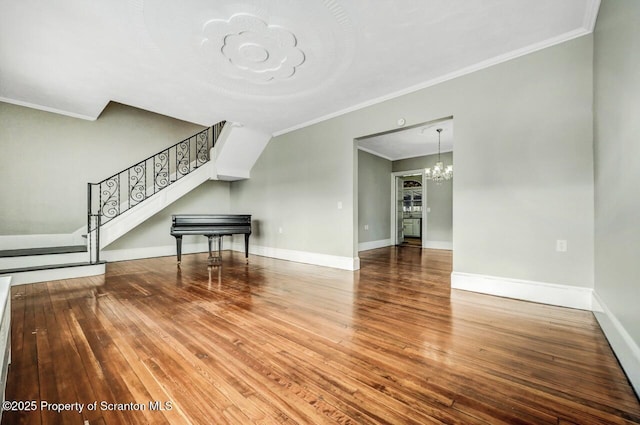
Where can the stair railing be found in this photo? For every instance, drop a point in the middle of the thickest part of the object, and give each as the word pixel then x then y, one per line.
pixel 130 187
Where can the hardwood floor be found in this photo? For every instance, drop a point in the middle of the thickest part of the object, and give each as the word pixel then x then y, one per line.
pixel 280 342
pixel 414 242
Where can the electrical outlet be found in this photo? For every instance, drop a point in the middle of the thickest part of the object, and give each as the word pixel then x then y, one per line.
pixel 279 229
pixel 339 205
pixel 366 227
pixel 561 245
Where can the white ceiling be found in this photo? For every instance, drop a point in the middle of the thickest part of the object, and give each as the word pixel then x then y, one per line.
pixel 272 65
pixel 410 142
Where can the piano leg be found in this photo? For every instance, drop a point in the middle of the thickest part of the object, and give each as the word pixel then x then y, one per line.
pixel 246 247
pixel 179 248
pixel 218 258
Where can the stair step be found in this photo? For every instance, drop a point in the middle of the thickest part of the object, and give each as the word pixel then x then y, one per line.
pixel 16 259
pixel 43 251
pixel 48 272
pixel 45 267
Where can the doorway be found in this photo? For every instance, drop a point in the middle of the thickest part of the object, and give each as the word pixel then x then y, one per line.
pixel 407 216
pixel 409 224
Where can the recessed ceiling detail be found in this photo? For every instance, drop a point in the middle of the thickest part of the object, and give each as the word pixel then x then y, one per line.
pixel 246 47
pixel 249 49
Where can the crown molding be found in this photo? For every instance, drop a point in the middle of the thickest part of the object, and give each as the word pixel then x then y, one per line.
pixel 589 16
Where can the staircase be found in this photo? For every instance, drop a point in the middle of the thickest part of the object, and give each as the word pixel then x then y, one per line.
pixel 50 263
pixel 121 202
pixel 128 198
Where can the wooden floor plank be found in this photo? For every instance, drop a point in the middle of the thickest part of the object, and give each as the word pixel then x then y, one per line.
pixel 275 342
pixel 23 383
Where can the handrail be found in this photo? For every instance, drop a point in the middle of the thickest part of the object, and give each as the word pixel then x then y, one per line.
pixel 127 188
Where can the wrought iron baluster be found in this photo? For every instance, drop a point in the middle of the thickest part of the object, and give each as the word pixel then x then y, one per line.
pixel 161 165
pixel 146 193
pixel 119 198
pixel 137 184
pixel 89 222
pixel 110 192
pixel 155 189
pixel 202 145
pixel 182 158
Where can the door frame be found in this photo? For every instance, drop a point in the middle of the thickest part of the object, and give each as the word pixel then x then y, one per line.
pixel 394 199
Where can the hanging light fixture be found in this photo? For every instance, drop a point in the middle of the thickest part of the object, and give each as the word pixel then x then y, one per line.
pixel 439 173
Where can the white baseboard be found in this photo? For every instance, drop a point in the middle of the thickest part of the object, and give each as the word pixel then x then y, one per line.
pixel 110 255
pixel 334 261
pixel 40 241
pixel 539 292
pixel 41 260
pixel 345 263
pixel 35 276
pixel 623 345
pixel 365 246
pixel 438 245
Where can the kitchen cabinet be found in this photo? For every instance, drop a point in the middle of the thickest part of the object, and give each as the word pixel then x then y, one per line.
pixel 412 227
pixel 412 200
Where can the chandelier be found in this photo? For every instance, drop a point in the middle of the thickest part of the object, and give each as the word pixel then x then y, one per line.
pixel 439 172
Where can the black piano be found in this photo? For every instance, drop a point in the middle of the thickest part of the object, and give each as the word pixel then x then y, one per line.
pixel 212 226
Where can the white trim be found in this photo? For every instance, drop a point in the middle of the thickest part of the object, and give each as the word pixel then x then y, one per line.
pixel 446 245
pixel 327 260
pixel 232 174
pixel 372 152
pixel 49 109
pixel 40 241
pixel 5 294
pixel 625 348
pixel 43 260
pixel 452 75
pixel 365 246
pixel 596 307
pixel 591 15
pixel 5 335
pixel 539 292
pixel 35 276
pixel 111 255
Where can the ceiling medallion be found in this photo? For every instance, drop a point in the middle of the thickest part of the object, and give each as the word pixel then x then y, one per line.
pixel 246 47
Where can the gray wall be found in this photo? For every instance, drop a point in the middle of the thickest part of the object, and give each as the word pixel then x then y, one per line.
pixel 296 185
pixel 617 166
pixel 439 196
pixel 49 158
pixel 374 197
pixel 531 117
